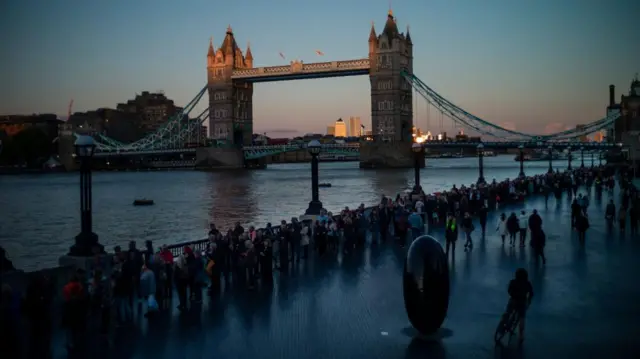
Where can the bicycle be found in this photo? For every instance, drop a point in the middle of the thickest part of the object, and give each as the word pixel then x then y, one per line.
pixel 508 324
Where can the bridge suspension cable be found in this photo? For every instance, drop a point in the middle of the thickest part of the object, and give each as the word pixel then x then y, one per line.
pixel 483 127
pixel 167 136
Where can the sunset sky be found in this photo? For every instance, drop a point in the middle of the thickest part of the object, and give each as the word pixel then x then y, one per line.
pixel 529 65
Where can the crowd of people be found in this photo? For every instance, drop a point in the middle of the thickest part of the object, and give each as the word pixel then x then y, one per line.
pixel 143 280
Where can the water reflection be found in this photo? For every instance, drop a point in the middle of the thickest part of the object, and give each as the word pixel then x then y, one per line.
pixel 231 198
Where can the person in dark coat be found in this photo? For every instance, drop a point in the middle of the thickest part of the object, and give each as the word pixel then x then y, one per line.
pixel 535 221
pixel 538 241
pixel 582 224
pixel 513 228
pixel 482 217
pixel 38 309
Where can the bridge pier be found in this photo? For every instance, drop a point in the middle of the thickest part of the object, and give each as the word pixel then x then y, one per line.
pixel 219 158
pixel 210 158
pixel 388 155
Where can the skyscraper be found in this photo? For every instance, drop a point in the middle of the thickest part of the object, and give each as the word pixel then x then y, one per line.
pixel 340 128
pixel 354 126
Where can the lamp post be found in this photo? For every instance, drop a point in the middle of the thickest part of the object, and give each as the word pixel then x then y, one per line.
pixel 592 159
pixel 582 157
pixel 315 206
pixel 569 158
pixel 417 151
pixel 480 163
pixel 550 148
pixel 521 148
pixel 86 242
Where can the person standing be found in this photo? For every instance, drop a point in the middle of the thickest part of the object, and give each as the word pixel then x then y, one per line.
pixel 582 224
pixel 622 218
pixel 523 222
pixel 451 236
pixel 416 223
pixel 482 217
pixel 468 227
pixel 538 241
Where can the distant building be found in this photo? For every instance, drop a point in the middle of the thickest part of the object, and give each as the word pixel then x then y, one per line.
pixel 355 126
pixel 121 126
pixel 461 137
pixel 154 109
pixel 629 108
pixel 47 123
pixel 331 130
pixel 582 138
pixel 599 136
pixel 340 129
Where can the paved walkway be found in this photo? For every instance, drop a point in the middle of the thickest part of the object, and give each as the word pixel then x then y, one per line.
pixel 353 307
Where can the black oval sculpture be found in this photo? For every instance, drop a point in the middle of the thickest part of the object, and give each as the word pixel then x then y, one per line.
pixel 425 284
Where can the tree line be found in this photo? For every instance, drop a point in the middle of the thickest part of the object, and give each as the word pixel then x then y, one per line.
pixel 30 147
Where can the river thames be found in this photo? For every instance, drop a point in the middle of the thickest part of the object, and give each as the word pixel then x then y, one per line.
pixel 39 214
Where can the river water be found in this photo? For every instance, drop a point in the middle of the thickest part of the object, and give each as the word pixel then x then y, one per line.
pixel 39 214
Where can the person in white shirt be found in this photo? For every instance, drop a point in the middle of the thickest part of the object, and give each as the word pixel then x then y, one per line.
pixel 420 209
pixel 523 219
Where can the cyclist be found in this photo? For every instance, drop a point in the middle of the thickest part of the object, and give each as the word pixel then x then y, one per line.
pixel 520 292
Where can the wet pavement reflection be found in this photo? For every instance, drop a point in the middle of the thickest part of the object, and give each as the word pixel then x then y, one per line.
pixel 352 306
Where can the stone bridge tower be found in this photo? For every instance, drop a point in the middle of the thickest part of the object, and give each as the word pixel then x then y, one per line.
pixel 391 95
pixel 230 102
pixel 390 53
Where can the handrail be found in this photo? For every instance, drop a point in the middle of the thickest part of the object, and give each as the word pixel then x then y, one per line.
pixel 200 244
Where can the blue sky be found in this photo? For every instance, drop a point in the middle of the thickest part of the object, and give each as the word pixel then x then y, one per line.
pixel 525 64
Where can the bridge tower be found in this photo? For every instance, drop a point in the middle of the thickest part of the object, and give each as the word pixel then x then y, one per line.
pixel 66 147
pixel 390 53
pixel 391 95
pixel 230 102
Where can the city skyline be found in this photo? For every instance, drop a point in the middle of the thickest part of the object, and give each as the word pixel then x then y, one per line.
pixel 512 65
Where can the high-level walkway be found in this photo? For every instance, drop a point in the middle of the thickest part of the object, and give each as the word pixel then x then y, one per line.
pixel 585 305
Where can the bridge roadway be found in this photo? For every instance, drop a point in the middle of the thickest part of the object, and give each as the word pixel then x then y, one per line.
pixel 252 152
pixel 585 305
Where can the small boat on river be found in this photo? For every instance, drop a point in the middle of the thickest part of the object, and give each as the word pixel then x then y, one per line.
pixel 324 185
pixel 143 202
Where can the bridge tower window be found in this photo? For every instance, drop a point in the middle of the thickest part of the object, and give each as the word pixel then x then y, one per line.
pixel 385 105
pixel 385 85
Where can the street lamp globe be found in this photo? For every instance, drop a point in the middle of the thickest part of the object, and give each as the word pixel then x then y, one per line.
pixel 480 147
pixel 314 147
pixel 416 147
pixel 85 146
pixel 521 147
pixel 550 148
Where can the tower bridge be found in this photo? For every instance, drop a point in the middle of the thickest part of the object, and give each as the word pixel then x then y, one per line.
pixel 231 77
